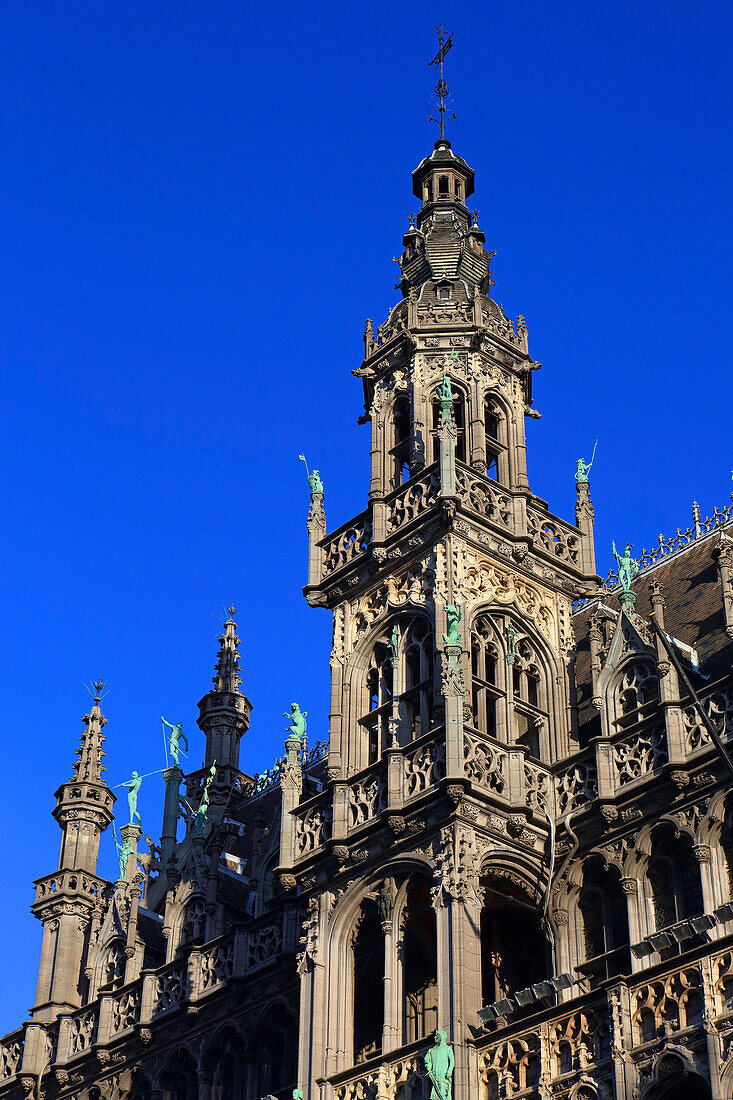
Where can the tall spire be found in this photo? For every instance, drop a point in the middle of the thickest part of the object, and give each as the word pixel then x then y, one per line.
pixel 226 677
pixel 89 767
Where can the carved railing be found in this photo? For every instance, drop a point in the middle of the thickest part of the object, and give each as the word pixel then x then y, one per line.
pixel 264 942
pixel 424 766
pixel 480 496
pixel 82 1030
pixel 553 537
pixel 216 964
pixel 485 762
pixel 170 986
pixel 312 825
pixel 538 788
pixel 412 499
pixel 719 708
pixel 126 1008
pixel 66 881
pixel 367 795
pixel 346 543
pixel 577 785
pixel 11 1054
pixel 384 1078
pixel 639 754
pixel 668 1004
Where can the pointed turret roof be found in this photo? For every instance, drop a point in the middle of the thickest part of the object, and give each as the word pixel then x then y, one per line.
pixel 227 678
pixel 89 767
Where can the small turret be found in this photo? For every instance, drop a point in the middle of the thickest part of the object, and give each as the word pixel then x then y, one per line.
pixel 66 900
pixel 224 712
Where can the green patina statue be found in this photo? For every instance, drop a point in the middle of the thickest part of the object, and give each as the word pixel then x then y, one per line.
pixel 313 476
pixel 176 736
pixel 123 852
pixel 394 644
pixel 627 566
pixel 439 1065
pixel 386 901
pixel 298 723
pixel 133 786
pixel 582 468
pixel 511 639
pixel 453 617
pixel 201 820
pixel 445 396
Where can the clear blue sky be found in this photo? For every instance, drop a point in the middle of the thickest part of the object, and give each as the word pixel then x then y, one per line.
pixel 200 205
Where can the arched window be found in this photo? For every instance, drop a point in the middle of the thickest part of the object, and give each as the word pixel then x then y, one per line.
pixel 368 947
pixel 379 683
pixel 674 879
pixel 509 692
pixel 495 437
pixel 605 920
pixel 113 965
pixel 276 1044
pixel 415 687
pixel 726 847
pixel 484 662
pixel 420 963
pixel 401 441
pixel 459 415
pixel 514 950
pixel 442 185
pixel 226 1069
pixel 194 923
pixel 636 694
pixel 179 1080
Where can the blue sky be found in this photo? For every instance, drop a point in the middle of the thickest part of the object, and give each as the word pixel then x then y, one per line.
pixel 200 206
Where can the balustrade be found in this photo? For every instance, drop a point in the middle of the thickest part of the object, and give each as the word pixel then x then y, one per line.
pixel 480 496
pixel 412 499
pixel 346 544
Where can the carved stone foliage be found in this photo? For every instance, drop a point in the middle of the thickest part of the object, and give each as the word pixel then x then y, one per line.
pixel 668 1005
pixel 453 684
pixel 366 799
pixel 11 1052
pixel 457 867
pixel 719 709
pixel 309 935
pixel 424 767
pixel 576 787
pixel 483 763
pixel 638 755
pixel 488 581
pixel 511 1067
pixel 413 586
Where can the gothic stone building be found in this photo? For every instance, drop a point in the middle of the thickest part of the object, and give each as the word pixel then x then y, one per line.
pixel 520 829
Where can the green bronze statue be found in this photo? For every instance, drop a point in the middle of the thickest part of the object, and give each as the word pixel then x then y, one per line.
pixel 627 566
pixel 133 786
pixel 174 741
pixel 445 396
pixel 298 722
pixel 453 616
pixel 201 820
pixel 313 477
pixel 123 851
pixel 582 468
pixel 511 639
pixel 394 644
pixel 386 901
pixel 439 1065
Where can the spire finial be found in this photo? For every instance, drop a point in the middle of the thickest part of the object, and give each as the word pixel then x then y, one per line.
pixel 226 678
pixel 441 88
pixel 89 767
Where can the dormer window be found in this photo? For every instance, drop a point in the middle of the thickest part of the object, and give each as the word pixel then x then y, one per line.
pixel 444 292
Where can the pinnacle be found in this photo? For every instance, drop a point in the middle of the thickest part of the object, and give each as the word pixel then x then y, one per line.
pixel 89 767
pixel 226 677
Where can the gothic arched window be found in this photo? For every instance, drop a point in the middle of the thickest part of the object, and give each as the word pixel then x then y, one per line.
pixel 400 451
pixel 276 1046
pixel 419 963
pixel 509 683
pixel 459 416
pixel 413 704
pixel 514 950
pixel 368 948
pixel 605 919
pixel 636 694
pixel 495 441
pixel 113 965
pixel 674 879
pixel 194 923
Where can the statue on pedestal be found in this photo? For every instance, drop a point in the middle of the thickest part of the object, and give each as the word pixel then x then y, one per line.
pixel 439 1064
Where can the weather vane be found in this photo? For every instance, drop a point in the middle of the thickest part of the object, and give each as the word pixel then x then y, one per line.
pixel 441 88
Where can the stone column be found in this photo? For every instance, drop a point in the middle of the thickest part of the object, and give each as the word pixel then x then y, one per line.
pixel 173 778
pixel 291 785
pixel 669 688
pixel 454 690
pixel 584 517
pixel 392 1000
pixel 316 532
pixel 447 434
pixel 459 979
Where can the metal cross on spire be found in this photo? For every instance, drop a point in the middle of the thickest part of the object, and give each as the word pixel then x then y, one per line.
pixel 441 88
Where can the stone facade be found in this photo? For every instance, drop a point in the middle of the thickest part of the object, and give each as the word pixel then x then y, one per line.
pixel 519 830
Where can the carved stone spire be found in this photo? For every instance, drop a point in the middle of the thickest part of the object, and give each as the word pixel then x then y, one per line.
pixel 224 712
pixel 89 767
pixel 226 677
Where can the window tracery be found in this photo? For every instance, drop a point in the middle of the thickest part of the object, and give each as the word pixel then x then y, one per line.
pixel 401 682
pixel 674 880
pixel 636 694
pixel 459 416
pixel 605 924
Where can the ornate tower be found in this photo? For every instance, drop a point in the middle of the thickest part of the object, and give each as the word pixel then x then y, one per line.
pixel 67 900
pixel 451 692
